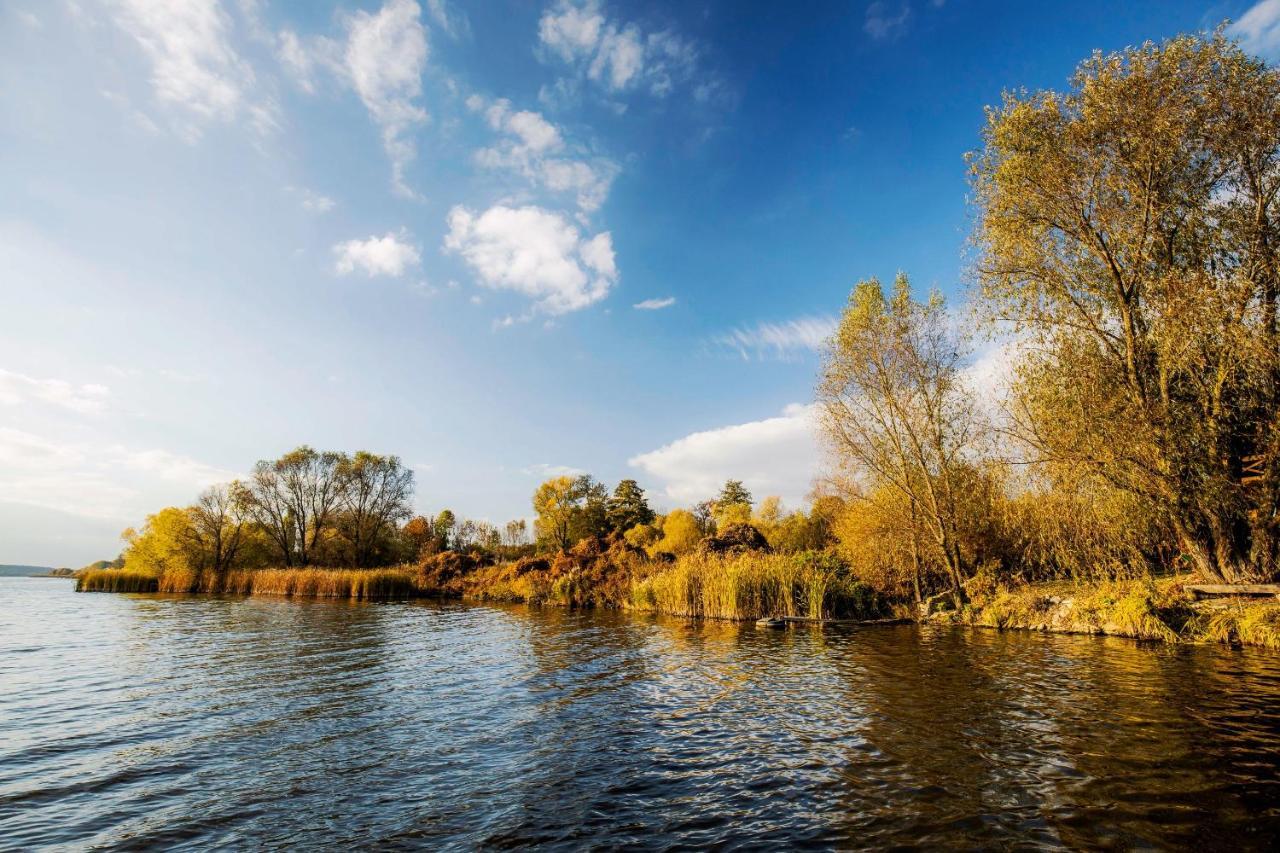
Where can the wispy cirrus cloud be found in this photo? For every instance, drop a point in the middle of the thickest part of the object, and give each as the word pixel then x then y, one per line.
pixel 195 70
pixel 655 304
pixel 382 58
pixel 17 389
pixel 94 479
pixel 542 469
pixel 780 340
pixel 1258 29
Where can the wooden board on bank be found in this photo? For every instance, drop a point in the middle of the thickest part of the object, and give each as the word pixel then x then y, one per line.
pixel 1202 590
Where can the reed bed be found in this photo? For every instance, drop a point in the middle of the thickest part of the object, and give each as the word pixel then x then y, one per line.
pixel 116 580
pixel 361 584
pixel 755 585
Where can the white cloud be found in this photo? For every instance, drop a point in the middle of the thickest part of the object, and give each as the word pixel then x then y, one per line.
pixel 655 304
pixel 617 56
pixel 17 389
pixel 535 149
pixel 536 252
pixel 194 68
pixel 885 22
pixel 386 53
pixel 775 456
pixel 312 201
pixel 390 254
pixel 451 22
pixel 98 480
pixel 1258 29
pixel 544 471
pixel 779 340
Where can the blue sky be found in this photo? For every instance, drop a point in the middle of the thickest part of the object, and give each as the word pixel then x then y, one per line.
pixel 501 240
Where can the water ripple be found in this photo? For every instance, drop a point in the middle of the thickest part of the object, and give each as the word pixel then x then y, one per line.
pixel 183 722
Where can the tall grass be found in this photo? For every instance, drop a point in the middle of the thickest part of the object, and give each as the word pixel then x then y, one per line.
pixel 116 580
pixel 365 584
pixel 755 585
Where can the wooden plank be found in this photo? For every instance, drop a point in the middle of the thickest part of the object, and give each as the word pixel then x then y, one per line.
pixel 1199 589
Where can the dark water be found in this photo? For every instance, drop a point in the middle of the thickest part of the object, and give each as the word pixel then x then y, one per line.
pixel 144 721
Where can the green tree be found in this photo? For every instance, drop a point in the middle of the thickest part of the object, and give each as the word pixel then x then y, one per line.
pixel 734 493
pixel 628 506
pixel 444 525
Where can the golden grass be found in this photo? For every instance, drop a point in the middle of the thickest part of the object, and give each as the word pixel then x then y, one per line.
pixel 1250 624
pixel 1146 609
pixel 754 585
pixel 116 580
pixel 364 584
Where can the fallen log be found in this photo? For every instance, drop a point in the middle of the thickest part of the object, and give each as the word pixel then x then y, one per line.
pixel 1204 590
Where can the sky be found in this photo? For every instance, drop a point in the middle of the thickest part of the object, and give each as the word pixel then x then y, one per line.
pixel 501 240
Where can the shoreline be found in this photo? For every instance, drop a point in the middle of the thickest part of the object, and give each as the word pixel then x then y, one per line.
pixel 1160 610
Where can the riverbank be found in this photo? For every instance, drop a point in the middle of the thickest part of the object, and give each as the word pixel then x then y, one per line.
pixel 1148 609
pixel 744 587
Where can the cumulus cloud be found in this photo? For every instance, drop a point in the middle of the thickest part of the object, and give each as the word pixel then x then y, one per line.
pixel 390 254
pixel 778 340
pixel 194 68
pixel 617 56
pixel 17 389
pixel 655 304
pixel 1258 29
pixel 535 148
pixel 774 456
pixel 536 252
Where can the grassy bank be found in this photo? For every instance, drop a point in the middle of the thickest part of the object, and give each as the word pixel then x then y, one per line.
pixel 742 587
pixel 1150 609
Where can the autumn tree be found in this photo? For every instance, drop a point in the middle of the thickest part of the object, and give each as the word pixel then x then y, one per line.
pixel 1128 233
pixel 558 503
pixel 376 492
pixel 217 523
pixel 295 498
pixel 164 543
pixel 681 533
pixel 896 415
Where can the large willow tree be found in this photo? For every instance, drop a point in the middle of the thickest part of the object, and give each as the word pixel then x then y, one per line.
pixel 1128 230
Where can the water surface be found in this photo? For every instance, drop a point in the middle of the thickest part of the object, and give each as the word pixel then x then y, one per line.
pixel 153 721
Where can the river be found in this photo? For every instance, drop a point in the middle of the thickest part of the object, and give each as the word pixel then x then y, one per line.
pixel 133 721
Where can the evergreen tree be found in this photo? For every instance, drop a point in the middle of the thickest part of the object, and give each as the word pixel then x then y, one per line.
pixel 627 507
